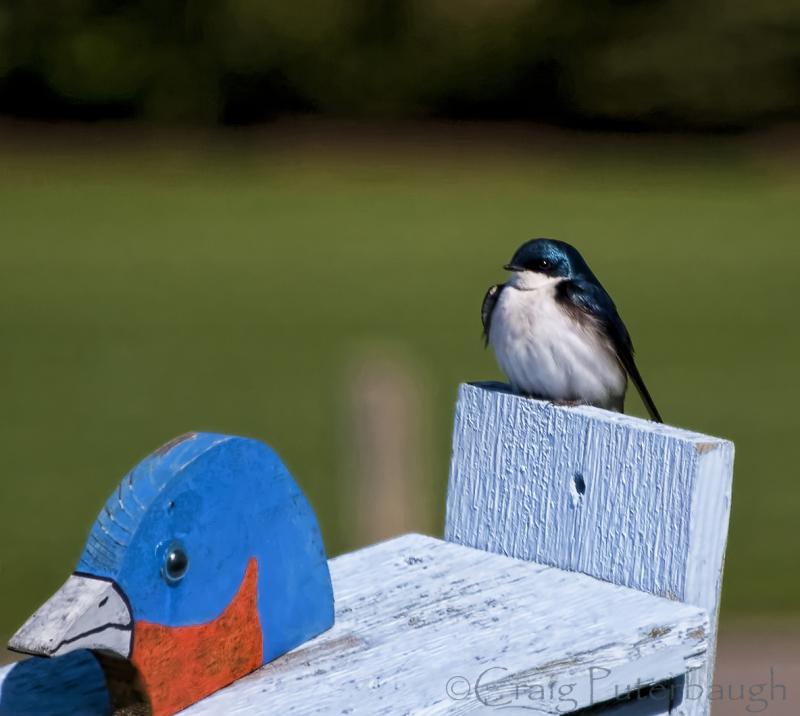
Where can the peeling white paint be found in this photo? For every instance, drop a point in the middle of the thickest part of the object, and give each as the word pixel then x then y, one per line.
pixel 415 614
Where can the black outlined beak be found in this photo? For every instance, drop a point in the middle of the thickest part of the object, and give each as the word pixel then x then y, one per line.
pixel 86 613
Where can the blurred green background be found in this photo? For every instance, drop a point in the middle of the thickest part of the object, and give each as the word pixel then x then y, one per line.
pixel 315 280
pixel 151 287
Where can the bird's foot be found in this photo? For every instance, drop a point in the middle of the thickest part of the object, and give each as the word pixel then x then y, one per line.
pixel 568 403
pixel 552 401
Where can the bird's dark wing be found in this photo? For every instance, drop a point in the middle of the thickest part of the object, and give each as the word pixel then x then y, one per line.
pixel 591 299
pixel 489 302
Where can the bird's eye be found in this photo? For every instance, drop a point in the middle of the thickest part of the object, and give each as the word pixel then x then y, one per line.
pixel 543 264
pixel 176 563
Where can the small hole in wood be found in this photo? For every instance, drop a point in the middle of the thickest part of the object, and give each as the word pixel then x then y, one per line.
pixel 577 488
pixel 580 483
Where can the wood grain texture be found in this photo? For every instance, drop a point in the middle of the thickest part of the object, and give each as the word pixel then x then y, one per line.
pixel 424 626
pixel 625 500
pixel 415 613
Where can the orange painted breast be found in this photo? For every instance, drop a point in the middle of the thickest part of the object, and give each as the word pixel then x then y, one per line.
pixel 181 665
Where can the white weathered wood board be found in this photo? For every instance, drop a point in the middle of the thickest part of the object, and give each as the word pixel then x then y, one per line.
pixel 625 500
pixel 416 614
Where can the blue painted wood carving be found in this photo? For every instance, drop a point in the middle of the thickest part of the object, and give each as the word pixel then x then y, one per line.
pixel 205 563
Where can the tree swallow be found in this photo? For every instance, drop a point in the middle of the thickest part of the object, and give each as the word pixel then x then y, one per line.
pixel 556 332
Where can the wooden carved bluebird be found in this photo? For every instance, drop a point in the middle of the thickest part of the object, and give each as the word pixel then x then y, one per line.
pixel 205 563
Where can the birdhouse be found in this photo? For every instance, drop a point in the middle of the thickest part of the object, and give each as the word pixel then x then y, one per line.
pixel 205 563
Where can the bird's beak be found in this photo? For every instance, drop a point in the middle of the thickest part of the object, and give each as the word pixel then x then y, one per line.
pixel 86 613
pixel 512 267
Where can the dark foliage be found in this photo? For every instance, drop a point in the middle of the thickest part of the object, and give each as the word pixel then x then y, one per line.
pixel 638 63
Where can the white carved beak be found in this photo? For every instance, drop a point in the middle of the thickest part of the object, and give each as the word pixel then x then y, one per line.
pixel 86 613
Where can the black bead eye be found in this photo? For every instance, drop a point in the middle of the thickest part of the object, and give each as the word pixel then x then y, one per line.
pixel 543 264
pixel 176 563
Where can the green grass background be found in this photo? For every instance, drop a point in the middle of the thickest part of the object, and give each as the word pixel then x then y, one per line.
pixel 149 287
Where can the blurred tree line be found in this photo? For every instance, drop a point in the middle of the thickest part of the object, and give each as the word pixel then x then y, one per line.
pixel 648 63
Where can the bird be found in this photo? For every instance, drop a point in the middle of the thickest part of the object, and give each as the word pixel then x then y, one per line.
pixel 557 334
pixel 205 563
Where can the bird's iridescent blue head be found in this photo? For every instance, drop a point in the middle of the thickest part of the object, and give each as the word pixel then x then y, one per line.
pixel 540 259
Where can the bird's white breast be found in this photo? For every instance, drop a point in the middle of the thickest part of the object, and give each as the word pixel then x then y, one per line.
pixel 547 352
